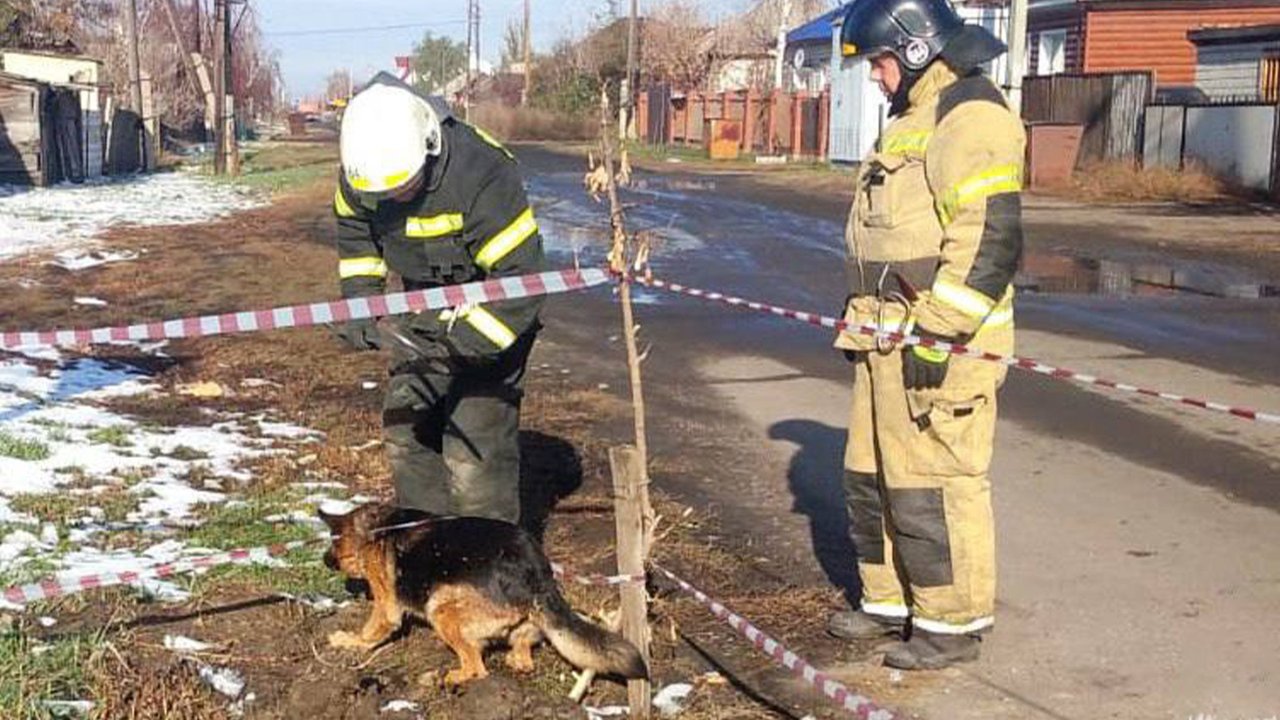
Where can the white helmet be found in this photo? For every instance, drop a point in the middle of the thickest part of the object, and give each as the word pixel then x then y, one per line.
pixel 387 134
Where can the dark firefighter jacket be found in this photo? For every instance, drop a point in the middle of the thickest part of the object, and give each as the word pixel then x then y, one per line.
pixel 471 222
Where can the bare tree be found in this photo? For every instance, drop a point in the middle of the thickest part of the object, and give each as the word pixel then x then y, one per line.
pixel 337 85
pixel 668 53
pixel 513 44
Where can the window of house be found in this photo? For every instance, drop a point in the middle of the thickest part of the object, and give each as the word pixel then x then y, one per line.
pixel 1051 57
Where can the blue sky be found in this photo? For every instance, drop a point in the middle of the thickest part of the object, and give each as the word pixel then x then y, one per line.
pixel 307 60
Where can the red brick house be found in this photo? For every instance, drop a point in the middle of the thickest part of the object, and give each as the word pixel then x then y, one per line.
pixel 1076 36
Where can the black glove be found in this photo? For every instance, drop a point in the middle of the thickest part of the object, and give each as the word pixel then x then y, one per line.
pixel 361 335
pixel 924 367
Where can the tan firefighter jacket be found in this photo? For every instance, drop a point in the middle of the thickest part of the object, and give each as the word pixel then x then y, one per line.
pixel 938 203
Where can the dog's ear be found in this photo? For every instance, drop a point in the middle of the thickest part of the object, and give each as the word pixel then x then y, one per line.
pixel 335 522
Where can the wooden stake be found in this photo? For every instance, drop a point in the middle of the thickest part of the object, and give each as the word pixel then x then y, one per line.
pixel 631 498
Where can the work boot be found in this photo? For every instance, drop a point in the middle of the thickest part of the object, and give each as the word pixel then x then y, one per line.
pixel 857 625
pixel 933 651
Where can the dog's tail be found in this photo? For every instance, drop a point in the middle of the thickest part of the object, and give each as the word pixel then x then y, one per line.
pixel 584 643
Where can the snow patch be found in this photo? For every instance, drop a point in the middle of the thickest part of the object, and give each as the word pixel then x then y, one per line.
pixel 72 216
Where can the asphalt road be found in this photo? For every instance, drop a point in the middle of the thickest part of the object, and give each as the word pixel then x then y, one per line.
pixel 1137 540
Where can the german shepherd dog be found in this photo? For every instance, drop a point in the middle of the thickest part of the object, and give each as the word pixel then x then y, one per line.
pixel 476 581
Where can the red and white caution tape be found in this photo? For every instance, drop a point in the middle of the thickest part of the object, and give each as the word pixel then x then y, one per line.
pixel 60 585
pixel 296 316
pixel 844 697
pixel 958 349
pixel 604 580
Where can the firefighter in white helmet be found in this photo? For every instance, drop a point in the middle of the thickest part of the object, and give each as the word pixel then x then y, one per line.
pixel 438 202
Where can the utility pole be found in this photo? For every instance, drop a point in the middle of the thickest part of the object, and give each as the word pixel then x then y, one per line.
pixel 1017 53
pixel 628 99
pixel 473 53
pixel 131 55
pixel 781 51
pixel 528 62
pixel 229 85
pixel 135 85
pixel 220 87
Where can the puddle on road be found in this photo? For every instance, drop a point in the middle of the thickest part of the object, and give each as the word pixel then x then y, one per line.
pixel 1064 274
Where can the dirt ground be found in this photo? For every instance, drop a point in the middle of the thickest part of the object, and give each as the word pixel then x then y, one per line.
pixel 282 255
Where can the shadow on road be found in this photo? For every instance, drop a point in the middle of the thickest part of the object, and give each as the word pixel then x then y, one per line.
pixel 814 480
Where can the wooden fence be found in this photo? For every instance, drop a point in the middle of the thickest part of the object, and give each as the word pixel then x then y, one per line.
pixel 1110 106
pixel 776 123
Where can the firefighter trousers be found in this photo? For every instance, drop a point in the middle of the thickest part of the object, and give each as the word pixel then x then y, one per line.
pixel 453 437
pixel 918 495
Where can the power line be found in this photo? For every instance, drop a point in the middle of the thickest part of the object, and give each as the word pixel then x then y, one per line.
pixel 374 28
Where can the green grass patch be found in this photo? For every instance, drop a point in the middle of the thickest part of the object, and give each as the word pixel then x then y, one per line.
pixel 242 525
pixel 115 435
pixel 57 508
pixel 305 575
pixel 276 181
pixel 117 504
pixel 32 672
pixel 56 430
pixel 22 449
pixel 278 167
pixel 181 452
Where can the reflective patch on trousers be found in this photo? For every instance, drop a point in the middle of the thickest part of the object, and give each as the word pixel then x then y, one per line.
pixel 920 535
pixel 866 515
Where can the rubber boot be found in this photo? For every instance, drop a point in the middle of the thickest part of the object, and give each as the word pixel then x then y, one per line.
pixel 857 625
pixel 932 651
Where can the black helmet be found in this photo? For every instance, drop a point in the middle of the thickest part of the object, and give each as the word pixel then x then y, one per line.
pixel 915 31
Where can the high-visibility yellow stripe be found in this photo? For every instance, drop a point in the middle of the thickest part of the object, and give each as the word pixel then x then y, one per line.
pixel 904 142
pixel 434 226
pixel 483 322
pixel 962 298
pixel 394 180
pixel 505 242
pixel 340 205
pixel 362 267
pixel 485 136
pixel 993 181
pixel 1000 317
pixel 933 355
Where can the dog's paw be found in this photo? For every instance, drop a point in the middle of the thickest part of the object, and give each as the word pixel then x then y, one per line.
pixel 347 641
pixel 460 676
pixel 519 662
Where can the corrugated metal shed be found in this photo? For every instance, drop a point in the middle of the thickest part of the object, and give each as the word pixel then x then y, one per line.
pixel 1156 39
pixel 1229 61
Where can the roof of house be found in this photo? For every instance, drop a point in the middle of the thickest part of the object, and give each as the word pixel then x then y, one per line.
pixel 817 30
pixel 50 54
pixel 1245 33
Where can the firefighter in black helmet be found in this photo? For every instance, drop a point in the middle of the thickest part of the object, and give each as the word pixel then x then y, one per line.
pixel 935 237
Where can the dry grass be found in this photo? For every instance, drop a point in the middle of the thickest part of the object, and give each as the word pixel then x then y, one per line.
pixel 512 124
pixel 280 255
pixel 1112 182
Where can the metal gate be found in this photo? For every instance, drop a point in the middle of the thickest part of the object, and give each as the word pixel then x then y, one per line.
pixel 857 108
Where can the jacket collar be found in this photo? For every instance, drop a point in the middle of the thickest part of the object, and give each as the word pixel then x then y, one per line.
pixel 935 79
